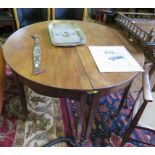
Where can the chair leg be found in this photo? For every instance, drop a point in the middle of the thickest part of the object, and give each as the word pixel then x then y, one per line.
pixel 126 137
pixel 133 124
pixel 128 132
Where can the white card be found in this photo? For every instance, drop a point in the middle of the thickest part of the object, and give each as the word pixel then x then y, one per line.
pixel 114 59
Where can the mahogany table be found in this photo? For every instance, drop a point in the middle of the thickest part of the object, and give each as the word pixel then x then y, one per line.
pixel 68 71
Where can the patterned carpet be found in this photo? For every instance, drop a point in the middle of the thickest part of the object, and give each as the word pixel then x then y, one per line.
pixel 48 114
pixel 108 129
pixel 45 120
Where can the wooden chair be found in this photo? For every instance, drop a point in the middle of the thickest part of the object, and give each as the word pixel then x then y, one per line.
pixel 2 75
pixel 69 13
pixel 143 113
pixel 27 16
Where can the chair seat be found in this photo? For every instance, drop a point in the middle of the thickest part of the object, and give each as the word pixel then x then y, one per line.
pixel 147 119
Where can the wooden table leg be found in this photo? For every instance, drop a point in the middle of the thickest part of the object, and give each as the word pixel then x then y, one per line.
pixel 124 97
pixel 78 140
pixel 94 106
pixel 22 97
pixel 82 108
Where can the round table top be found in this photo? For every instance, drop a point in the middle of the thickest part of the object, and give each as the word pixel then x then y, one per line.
pixel 71 68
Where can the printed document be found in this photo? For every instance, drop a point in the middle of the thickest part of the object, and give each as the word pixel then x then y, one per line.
pixel 114 59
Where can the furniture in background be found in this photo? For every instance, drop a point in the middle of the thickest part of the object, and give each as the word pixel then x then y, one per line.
pixel 69 13
pixel 2 76
pixel 105 15
pixel 92 12
pixel 7 19
pixel 27 16
pixel 142 116
pixel 68 72
pixel 140 25
pixel 140 28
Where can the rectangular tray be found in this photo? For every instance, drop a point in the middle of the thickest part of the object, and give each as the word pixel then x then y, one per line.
pixel 66 34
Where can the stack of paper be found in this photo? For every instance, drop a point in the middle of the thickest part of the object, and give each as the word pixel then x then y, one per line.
pixel 114 59
pixel 66 34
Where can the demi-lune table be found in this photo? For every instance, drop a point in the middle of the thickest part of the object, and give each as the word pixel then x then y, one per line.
pixel 68 71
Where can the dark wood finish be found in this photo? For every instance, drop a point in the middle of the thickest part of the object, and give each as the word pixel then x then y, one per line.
pixel 94 106
pixel 22 96
pixel 82 108
pixel 69 71
pixel 124 97
pixel 133 124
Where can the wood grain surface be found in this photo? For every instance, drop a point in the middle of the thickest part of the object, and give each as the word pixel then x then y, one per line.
pixel 71 68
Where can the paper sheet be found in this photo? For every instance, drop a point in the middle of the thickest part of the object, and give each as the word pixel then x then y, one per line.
pixel 114 59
